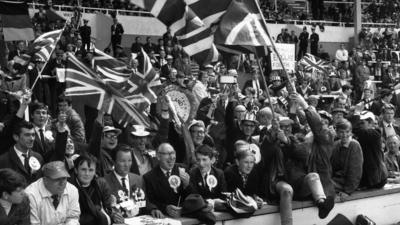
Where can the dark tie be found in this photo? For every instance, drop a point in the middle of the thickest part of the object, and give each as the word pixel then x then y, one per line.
pixel 205 180
pixel 124 185
pixel 26 162
pixel 168 174
pixel 41 138
pixel 56 201
pixel 244 178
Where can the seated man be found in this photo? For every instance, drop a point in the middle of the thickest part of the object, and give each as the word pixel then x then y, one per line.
pixel 167 184
pixel 94 194
pixel 52 199
pixel 205 179
pixel 392 158
pixel 125 185
pixel 347 159
pixel 14 205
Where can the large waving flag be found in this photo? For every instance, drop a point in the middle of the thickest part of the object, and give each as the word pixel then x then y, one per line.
pixel 84 83
pixel 143 85
pixel 313 63
pixel 15 20
pixel 242 25
pixel 45 44
pixel 191 21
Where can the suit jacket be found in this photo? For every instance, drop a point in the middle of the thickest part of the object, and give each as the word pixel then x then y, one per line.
pixel 18 215
pixel 116 33
pixel 10 160
pixel 46 150
pixel 383 132
pixel 201 187
pixel 376 107
pixel 234 180
pixel 135 166
pixel 85 32
pixel 165 70
pixel 158 191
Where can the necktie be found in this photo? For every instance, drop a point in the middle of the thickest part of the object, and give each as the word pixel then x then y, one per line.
pixel 26 162
pixel 41 137
pixel 244 178
pixel 56 201
pixel 205 180
pixel 124 185
pixel 168 174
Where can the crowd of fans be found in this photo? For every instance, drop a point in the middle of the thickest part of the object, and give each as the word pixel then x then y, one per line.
pixel 317 134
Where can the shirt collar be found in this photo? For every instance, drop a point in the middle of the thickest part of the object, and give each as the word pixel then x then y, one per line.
pixel 46 193
pixel 5 204
pixel 348 143
pixel 38 128
pixel 385 124
pixel 19 153
pixel 165 171
pixel 119 176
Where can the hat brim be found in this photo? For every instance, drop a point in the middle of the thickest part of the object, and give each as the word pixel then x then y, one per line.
pixel 140 134
pixel 58 175
pixel 116 130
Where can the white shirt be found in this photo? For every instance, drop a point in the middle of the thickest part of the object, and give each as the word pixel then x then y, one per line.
pixel 37 130
pixel 19 154
pixel 389 130
pixel 43 211
pixel 342 55
pixel 200 91
pixel 126 181
pixel 6 206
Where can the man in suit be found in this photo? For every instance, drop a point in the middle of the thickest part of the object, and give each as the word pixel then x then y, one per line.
pixel 314 39
pixel 18 51
pixel 14 204
pixel 123 183
pixel 44 143
pixel 386 97
pixel 143 159
pixel 85 31
pixel 387 125
pixel 166 69
pixel 137 45
pixel 303 43
pixel 20 157
pixel 166 184
pixel 205 179
pixel 116 34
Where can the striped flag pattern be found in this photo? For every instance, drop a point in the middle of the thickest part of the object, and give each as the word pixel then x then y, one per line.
pixel 313 63
pixel 15 20
pixel 44 45
pixel 191 21
pixel 84 83
pixel 242 25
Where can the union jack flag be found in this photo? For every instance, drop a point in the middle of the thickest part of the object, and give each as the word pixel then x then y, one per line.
pixel 142 86
pixel 44 45
pixel 110 69
pixel 84 83
pixel 313 63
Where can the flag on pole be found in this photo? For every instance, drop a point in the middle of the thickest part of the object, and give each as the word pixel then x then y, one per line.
pixel 313 63
pixel 143 85
pixel 44 45
pixel 242 25
pixel 17 24
pixel 84 83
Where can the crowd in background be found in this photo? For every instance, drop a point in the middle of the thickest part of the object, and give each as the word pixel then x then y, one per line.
pixel 318 134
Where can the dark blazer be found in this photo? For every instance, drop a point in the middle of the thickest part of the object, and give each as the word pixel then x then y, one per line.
pixel 46 150
pixel 395 127
pixel 135 166
pixel 116 33
pixel 165 71
pixel 85 32
pixel 158 191
pixel 234 180
pixel 376 107
pixel 199 187
pixel 135 181
pixel 10 160
pixel 18 215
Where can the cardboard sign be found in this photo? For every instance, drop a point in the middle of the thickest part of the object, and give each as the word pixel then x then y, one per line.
pixel 288 56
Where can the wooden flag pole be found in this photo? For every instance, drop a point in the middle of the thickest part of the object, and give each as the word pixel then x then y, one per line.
pixel 265 83
pixel 292 89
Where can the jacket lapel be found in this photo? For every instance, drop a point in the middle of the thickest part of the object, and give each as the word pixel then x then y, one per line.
pixel 14 158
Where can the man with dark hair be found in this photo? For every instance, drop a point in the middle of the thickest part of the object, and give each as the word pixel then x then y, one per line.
pixel 125 185
pixel 44 141
pixel 137 45
pixel 386 96
pixel 14 205
pixel 20 157
pixel 74 121
pixel 314 39
pixel 85 32
pixel 94 193
pixel 303 43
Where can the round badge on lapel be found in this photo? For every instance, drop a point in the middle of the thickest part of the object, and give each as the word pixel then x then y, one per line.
pixel 34 163
pixel 212 182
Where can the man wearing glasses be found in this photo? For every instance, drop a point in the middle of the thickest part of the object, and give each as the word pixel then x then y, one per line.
pixel 167 185
pixel 52 199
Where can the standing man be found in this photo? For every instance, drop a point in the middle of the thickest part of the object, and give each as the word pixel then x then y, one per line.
pixel 303 43
pixel 116 34
pixel 85 31
pixel 52 199
pixel 314 39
